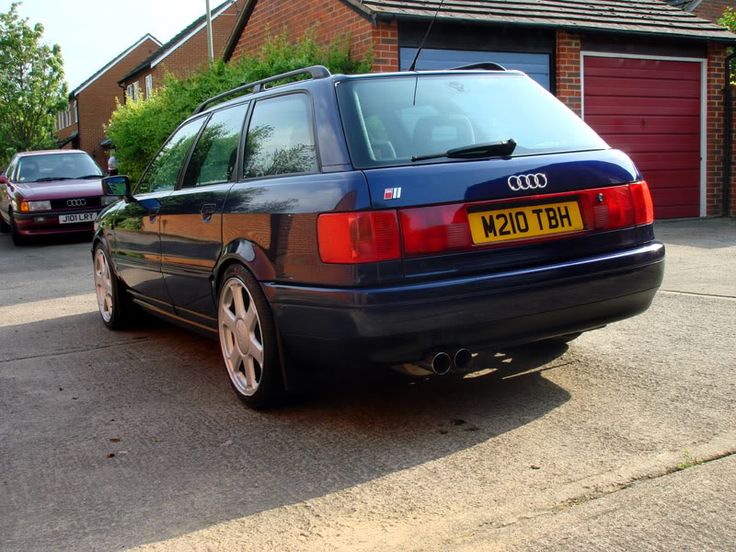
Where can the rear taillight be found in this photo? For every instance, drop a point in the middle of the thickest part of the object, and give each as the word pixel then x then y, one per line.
pixel 434 229
pixel 643 205
pixel 371 236
pixel 617 206
pixel 358 237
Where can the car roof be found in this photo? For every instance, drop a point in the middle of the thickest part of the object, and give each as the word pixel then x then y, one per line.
pixel 308 84
pixel 49 152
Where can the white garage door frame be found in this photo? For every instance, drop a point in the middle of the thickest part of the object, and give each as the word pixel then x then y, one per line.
pixel 703 107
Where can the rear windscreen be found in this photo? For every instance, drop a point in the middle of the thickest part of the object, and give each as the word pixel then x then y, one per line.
pixel 390 120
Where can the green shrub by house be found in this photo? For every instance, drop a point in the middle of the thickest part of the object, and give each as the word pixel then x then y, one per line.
pixel 139 128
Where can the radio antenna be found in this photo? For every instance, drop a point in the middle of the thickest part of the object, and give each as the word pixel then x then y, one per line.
pixel 413 65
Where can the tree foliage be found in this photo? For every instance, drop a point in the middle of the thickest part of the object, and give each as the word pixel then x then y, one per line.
pixel 32 87
pixel 728 20
pixel 139 128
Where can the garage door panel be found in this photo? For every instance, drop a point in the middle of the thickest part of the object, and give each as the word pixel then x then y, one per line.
pixel 660 179
pixel 675 196
pixel 609 124
pixel 646 73
pixel 651 109
pixel 687 68
pixel 603 105
pixel 655 143
pixel 642 88
pixel 666 161
pixel 675 211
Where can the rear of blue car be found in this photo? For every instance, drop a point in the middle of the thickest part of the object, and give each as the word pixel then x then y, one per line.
pixel 495 217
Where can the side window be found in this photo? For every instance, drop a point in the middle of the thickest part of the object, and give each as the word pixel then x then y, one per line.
pixel 164 170
pixel 280 138
pixel 9 172
pixel 213 159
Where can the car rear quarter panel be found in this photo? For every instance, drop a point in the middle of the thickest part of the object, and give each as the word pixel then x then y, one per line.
pixel 271 226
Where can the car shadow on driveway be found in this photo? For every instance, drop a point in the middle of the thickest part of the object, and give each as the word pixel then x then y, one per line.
pixel 112 440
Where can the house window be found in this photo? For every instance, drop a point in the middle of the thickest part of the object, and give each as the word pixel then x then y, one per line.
pixel 149 86
pixel 133 91
pixel 76 112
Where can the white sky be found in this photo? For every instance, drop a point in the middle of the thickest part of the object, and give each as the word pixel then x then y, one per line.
pixel 93 32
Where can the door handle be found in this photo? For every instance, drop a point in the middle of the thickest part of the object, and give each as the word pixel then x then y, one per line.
pixel 208 209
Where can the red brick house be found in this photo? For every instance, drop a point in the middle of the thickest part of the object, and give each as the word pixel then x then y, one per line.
pixel 184 53
pixel 93 101
pixel 712 10
pixel 649 77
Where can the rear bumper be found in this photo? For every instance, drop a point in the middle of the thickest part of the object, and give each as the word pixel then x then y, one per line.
pixel 400 323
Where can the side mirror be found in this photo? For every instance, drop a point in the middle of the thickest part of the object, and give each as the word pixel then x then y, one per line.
pixel 3 179
pixel 117 185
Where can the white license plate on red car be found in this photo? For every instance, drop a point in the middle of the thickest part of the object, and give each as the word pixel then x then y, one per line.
pixel 72 218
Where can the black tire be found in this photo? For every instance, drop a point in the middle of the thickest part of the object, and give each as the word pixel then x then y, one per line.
pixel 14 234
pixel 4 226
pixel 248 340
pixel 116 312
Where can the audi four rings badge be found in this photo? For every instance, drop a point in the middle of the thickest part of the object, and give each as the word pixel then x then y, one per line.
pixel 76 202
pixel 527 182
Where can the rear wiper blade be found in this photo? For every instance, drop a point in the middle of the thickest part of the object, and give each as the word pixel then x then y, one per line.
pixel 474 151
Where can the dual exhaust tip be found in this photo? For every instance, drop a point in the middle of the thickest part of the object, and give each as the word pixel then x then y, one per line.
pixel 441 362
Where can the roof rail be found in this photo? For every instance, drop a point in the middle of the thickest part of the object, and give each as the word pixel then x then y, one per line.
pixel 316 72
pixel 484 66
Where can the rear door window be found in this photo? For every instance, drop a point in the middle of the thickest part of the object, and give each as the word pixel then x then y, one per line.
pixel 280 138
pixel 214 157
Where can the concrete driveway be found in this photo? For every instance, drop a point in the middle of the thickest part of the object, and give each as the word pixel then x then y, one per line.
pixel 625 440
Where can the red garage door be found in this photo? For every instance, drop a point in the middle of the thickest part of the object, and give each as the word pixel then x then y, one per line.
pixel 651 109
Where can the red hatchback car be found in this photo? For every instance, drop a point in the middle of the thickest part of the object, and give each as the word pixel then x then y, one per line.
pixel 50 192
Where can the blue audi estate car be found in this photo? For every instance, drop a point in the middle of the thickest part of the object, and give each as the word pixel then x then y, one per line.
pixel 406 218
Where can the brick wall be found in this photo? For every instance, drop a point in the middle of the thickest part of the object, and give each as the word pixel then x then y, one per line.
pixel 712 9
pixel 96 103
pixel 568 70
pixel 330 19
pixel 715 129
pixel 192 54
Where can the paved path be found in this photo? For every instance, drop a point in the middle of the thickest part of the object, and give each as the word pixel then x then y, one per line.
pixel 133 439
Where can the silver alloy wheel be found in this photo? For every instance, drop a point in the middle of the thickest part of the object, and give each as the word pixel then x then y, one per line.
pixel 241 339
pixel 103 285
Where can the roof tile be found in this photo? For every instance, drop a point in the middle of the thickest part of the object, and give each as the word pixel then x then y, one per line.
pixel 627 16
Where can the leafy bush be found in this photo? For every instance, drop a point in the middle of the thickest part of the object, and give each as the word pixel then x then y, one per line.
pixel 728 20
pixel 139 128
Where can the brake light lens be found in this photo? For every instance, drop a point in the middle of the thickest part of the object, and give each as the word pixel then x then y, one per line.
pixel 643 204
pixel 434 229
pixel 358 237
pixel 371 236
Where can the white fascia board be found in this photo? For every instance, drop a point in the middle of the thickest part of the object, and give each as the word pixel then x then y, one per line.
pixel 189 36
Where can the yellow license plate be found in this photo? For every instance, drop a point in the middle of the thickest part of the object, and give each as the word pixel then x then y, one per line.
pixel 529 221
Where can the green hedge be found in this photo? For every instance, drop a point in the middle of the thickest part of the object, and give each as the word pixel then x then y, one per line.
pixel 139 128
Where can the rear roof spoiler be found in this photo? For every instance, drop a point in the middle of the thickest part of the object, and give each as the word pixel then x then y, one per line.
pixel 483 66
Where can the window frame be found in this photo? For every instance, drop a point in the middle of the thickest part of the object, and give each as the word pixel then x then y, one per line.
pixel 248 120
pixel 240 151
pixel 148 85
pixel 177 184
